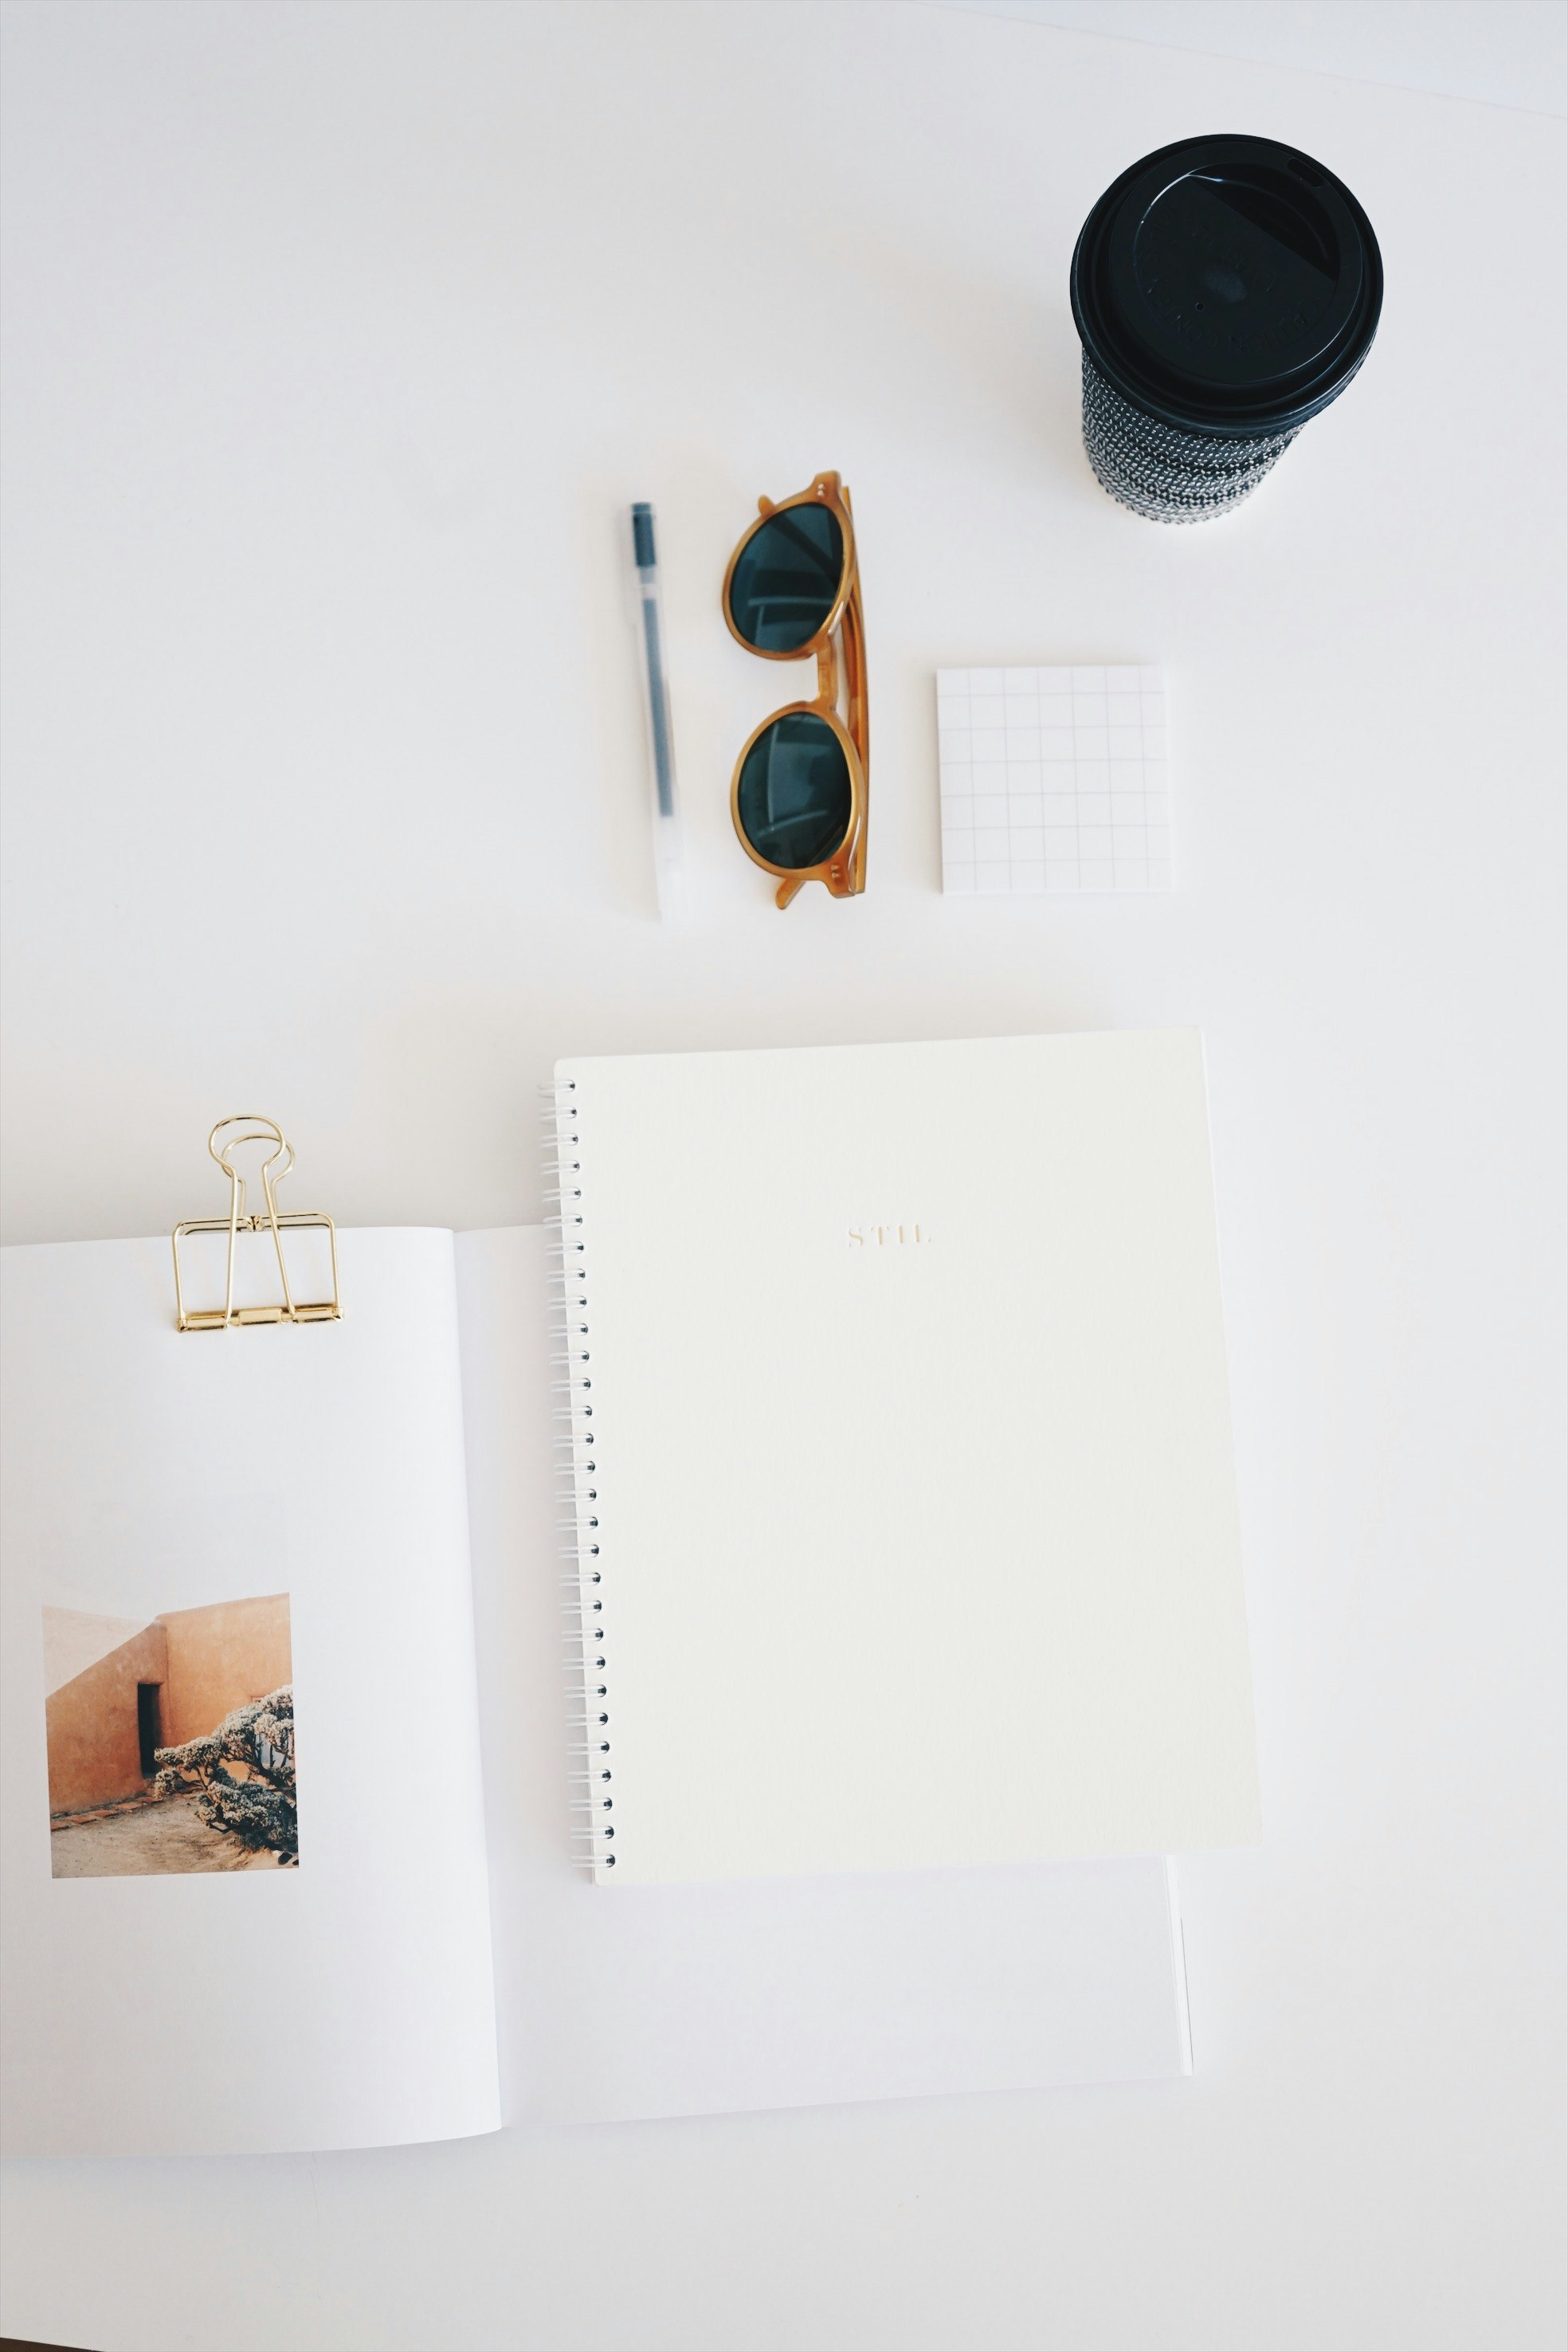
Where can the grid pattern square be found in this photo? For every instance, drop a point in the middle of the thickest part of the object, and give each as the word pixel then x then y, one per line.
pixel 1053 780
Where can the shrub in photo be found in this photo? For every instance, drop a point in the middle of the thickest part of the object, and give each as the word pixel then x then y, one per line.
pixel 245 1770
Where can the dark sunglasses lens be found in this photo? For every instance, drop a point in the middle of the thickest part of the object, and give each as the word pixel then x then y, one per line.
pixel 795 796
pixel 786 580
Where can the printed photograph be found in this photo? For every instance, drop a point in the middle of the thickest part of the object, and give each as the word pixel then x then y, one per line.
pixel 171 1739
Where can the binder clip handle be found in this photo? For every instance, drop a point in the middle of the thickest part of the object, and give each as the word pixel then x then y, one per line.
pixel 254 1130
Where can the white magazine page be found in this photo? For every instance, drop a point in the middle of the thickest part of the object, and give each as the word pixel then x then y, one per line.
pixel 245 1892
pixel 617 2002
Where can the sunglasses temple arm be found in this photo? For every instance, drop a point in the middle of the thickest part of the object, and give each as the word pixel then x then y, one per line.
pixel 857 721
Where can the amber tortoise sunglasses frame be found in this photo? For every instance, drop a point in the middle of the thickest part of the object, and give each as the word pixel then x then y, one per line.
pixel 840 663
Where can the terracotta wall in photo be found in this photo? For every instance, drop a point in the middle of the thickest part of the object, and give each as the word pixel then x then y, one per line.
pixel 203 1662
pixel 95 1741
pixel 219 1657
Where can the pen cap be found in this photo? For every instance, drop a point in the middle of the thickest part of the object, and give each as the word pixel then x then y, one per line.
pixel 642 537
pixel 1224 289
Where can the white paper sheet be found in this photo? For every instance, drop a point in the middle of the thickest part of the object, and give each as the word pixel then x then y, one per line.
pixel 661 2000
pixel 349 2001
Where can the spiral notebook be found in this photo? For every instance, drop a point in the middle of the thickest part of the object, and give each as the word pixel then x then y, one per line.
pixel 899 1457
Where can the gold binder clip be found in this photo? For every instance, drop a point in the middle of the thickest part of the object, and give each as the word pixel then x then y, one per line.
pixel 247 1127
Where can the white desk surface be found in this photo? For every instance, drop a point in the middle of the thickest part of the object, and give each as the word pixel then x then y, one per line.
pixel 338 340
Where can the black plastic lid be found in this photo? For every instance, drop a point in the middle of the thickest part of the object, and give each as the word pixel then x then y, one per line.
pixel 1227 284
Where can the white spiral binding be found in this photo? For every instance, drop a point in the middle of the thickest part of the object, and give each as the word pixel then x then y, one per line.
pixel 577 1487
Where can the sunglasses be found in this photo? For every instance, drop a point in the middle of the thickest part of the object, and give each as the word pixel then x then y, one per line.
pixel 799 792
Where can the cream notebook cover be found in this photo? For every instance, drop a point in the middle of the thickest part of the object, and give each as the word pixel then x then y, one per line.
pixel 897 1450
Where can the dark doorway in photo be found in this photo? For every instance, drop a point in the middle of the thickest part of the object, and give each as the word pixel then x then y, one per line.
pixel 149 1723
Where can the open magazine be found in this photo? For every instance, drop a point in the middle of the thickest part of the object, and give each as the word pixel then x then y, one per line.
pixel 289 1768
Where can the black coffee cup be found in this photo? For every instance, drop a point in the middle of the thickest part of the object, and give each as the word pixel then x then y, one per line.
pixel 1224 290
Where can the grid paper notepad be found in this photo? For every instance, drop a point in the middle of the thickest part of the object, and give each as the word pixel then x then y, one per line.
pixel 1053 780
